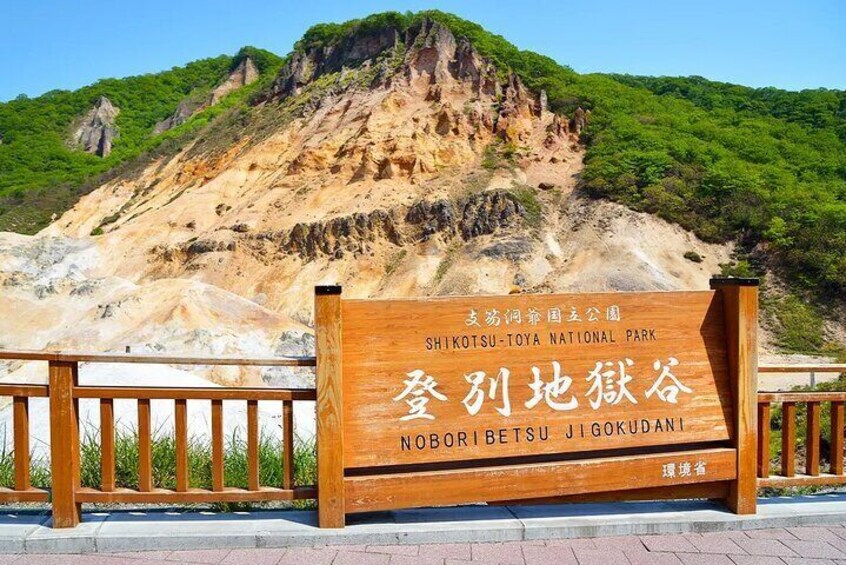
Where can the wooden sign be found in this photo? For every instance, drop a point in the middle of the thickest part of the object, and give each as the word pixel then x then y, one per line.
pixel 488 377
pixel 467 399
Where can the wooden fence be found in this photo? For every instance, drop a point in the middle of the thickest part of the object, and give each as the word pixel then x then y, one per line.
pixel 64 392
pixel 812 402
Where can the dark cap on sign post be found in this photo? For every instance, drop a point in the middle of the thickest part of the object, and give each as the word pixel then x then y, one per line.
pixel 733 281
pixel 323 290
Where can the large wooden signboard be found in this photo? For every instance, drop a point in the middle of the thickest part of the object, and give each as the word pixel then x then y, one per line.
pixel 450 400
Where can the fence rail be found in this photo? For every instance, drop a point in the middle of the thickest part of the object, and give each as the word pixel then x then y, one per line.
pixel 812 401
pixel 64 393
pixel 826 368
pixel 80 357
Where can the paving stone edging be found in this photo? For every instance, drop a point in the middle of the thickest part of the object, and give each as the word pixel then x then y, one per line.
pixel 131 531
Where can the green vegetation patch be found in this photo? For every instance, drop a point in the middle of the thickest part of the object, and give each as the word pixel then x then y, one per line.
pixel 395 261
pixel 800 326
pixel 693 256
pixel 447 262
pixel 500 154
pixel 528 198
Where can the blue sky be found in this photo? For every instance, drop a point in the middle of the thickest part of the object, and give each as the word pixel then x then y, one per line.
pixel 49 44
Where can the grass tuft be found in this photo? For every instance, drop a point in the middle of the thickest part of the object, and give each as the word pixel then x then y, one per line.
pixel 528 198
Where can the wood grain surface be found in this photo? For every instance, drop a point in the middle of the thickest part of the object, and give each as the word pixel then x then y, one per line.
pixel 514 482
pixel 329 409
pixel 385 341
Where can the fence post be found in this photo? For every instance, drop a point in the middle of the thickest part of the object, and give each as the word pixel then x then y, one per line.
pixel 330 407
pixel 64 444
pixel 740 306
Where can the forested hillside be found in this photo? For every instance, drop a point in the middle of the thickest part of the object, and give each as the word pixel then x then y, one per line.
pixel 41 174
pixel 765 166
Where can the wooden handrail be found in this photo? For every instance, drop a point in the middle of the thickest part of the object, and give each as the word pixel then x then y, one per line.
pixel 72 356
pixel 20 389
pixel 800 396
pixel 829 368
pixel 64 374
pixel 80 357
pixel 193 393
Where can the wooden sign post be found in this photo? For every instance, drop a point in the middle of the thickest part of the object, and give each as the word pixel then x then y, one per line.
pixel 740 303
pixel 330 422
pixel 482 399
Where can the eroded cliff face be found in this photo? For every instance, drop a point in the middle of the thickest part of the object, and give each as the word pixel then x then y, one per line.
pixel 450 102
pixel 96 130
pixel 243 74
pixel 395 164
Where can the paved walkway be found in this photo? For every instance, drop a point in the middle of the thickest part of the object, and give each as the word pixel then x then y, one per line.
pixel 802 529
pixel 821 545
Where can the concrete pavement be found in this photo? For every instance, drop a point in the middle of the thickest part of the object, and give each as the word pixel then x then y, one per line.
pixel 784 529
pixel 779 546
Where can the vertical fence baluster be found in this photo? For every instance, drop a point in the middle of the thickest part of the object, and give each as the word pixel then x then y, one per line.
pixel 75 435
pixel 764 439
pixel 812 440
pixel 145 448
pixel 107 444
pixel 217 444
pixel 180 414
pixel 837 423
pixel 252 445
pixel 288 444
pixel 788 440
pixel 21 431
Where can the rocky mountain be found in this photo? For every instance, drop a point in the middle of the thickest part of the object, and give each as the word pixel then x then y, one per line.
pixel 245 73
pixel 398 156
pixel 414 171
pixel 96 130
